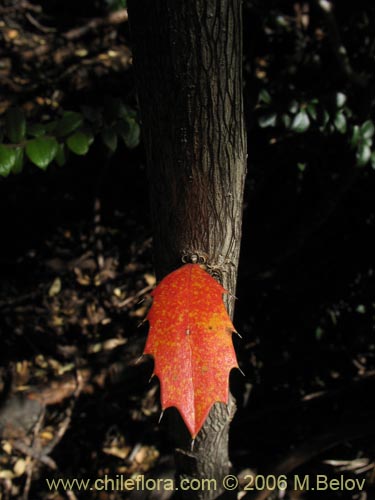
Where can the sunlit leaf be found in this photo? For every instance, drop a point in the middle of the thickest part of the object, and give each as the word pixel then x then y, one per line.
pixel 79 143
pixel 340 99
pixel 267 120
pixel 7 160
pixel 190 339
pixel 340 123
pixel 311 109
pixel 301 122
pixel 18 163
pixel 363 155
pixel 293 107
pixel 41 151
pixel 355 136
pixel 367 129
pixel 264 97
pixel 286 119
pixel 109 137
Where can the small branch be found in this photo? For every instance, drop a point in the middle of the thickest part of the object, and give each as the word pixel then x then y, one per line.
pixel 133 298
pixel 38 25
pixel 30 452
pixel 118 17
pixel 68 417
pixel 35 450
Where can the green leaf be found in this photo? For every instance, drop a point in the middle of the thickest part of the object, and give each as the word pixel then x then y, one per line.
pixel 18 164
pixel 340 123
pixel 281 21
pixel 293 107
pixel 340 99
pixel 130 133
pixel 36 129
pixel 355 136
pixel 311 109
pixel 267 120
pixel 361 309
pixel 372 159
pixel 301 167
pixel 264 97
pixel 60 155
pixel 69 123
pixel 7 160
pixel 79 143
pixel 109 138
pixel 15 125
pixel 41 151
pixel 286 119
pixel 319 333
pixel 301 122
pixel 125 112
pixel 363 155
pixel 367 129
pixel 367 142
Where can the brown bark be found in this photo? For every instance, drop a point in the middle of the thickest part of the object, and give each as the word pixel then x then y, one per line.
pixel 188 57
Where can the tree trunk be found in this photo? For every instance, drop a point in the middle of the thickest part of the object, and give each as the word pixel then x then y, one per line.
pixel 188 58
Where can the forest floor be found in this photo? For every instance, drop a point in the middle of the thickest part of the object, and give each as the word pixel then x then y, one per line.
pixel 76 276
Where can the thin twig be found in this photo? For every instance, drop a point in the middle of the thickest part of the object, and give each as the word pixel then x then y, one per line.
pixel 68 417
pixel 117 17
pixel 37 24
pixel 135 297
pixel 30 452
pixel 36 448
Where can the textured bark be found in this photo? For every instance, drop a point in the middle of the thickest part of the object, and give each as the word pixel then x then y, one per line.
pixel 188 57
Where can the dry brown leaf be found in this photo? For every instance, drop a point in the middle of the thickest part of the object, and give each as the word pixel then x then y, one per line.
pixel 20 467
pixel 55 288
pixel 11 34
pixel 82 279
pixel 150 279
pixel 117 452
pixel 7 447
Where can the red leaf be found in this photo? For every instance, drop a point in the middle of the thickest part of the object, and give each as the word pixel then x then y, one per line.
pixel 190 339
